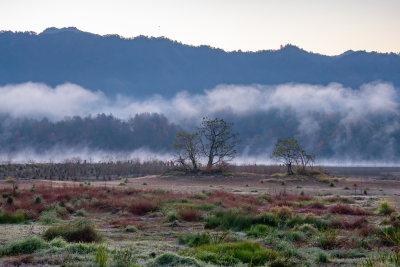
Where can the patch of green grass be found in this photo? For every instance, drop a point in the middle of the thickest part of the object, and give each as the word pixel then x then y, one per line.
pixel 49 217
pixel 205 207
pixel 195 240
pixel 25 246
pixel 79 213
pixel 259 230
pixel 322 257
pixel 58 242
pixel 76 231
pixel 130 229
pixel 170 259
pixel 295 236
pixel 11 218
pixel 384 208
pixel 236 220
pixel 230 254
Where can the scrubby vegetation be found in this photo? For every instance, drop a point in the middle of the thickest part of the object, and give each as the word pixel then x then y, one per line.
pixel 100 225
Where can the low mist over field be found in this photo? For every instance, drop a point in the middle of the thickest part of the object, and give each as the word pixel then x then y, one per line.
pixel 337 123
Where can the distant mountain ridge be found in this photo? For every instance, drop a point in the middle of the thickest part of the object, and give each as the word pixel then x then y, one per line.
pixel 145 66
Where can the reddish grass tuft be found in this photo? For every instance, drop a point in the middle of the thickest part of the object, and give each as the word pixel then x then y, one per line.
pixel 317 205
pixel 141 207
pixel 189 214
pixel 348 210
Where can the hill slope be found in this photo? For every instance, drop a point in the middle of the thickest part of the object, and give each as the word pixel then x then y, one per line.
pixel 144 66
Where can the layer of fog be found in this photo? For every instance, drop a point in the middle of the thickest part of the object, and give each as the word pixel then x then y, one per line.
pixel 62 154
pixel 360 105
pixel 39 100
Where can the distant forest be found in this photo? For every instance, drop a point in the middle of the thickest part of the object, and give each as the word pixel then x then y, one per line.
pixel 329 136
pixel 100 132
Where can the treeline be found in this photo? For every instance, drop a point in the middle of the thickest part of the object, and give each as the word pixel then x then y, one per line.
pixel 76 170
pixel 330 136
pixel 104 132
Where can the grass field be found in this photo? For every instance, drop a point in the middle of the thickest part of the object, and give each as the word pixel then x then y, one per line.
pixel 235 219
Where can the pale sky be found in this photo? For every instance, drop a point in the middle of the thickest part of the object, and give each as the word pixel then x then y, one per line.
pixel 324 26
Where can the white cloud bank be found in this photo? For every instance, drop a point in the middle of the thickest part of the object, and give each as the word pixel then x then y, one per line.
pixel 38 100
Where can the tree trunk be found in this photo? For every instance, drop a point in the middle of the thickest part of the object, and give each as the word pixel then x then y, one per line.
pixel 289 169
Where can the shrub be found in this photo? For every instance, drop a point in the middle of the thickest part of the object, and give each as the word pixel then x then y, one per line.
pixel 142 207
pixel 387 258
pixel 322 257
pixel 327 239
pixel 25 246
pixel 172 217
pixel 189 214
pixel 58 242
pixel 384 208
pixel 81 248
pixel 10 200
pixel 258 230
pixel 77 231
pixel 37 199
pixel 101 256
pixel 79 213
pixel 130 229
pixel 194 240
pixel 235 220
pixel 295 236
pixel 283 212
pixel 10 218
pixel 170 259
pixel 287 249
pixel 124 257
pixel 348 210
pixel 307 229
pixel 48 218
pixel 234 253
pixel 205 207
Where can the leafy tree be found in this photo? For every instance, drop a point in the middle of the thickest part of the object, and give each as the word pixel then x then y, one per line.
pixel 287 150
pixel 188 148
pixel 218 141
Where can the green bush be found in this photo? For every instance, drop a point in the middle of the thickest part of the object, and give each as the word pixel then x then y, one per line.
pixel 124 257
pixel 233 253
pixel 49 217
pixel 172 217
pixel 295 236
pixel 130 229
pixel 328 239
pixel 259 230
pixel 205 207
pixel 77 231
pixel 307 229
pixel 236 220
pixel 322 257
pixel 10 218
pixel 170 259
pixel 384 208
pixel 37 199
pixel 101 256
pixel 287 249
pixel 79 213
pixel 25 246
pixel 194 240
pixel 81 248
pixel 58 242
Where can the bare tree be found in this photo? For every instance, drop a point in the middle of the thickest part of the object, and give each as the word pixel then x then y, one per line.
pixel 218 141
pixel 188 148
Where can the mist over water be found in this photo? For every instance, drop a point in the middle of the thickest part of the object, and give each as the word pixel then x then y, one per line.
pixel 342 126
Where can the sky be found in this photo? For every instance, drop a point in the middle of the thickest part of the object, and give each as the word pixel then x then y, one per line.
pixel 328 27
